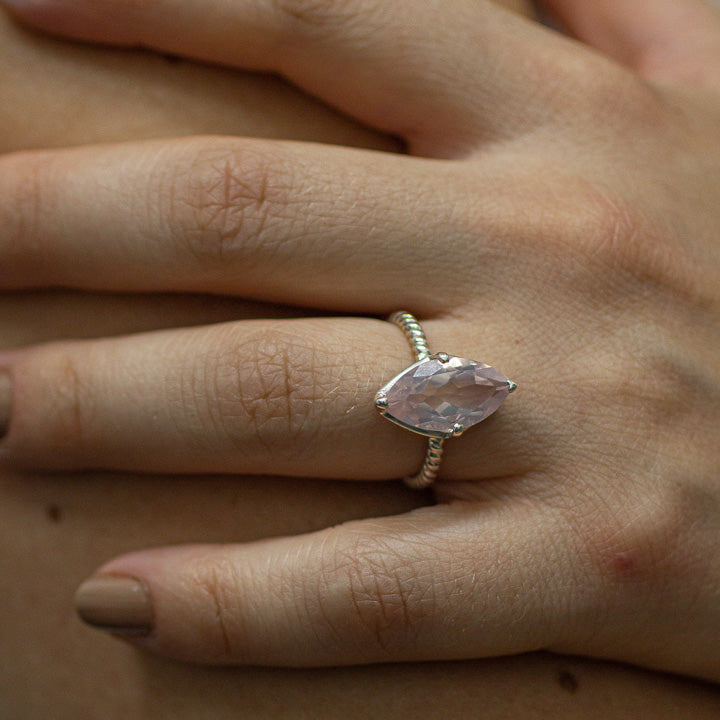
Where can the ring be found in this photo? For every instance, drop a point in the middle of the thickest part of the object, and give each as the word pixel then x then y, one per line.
pixel 439 396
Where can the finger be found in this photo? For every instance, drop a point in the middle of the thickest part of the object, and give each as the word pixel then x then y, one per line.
pixel 67 88
pixel 665 40
pixel 522 7
pixel 288 397
pixel 440 80
pixel 32 318
pixel 440 583
pixel 271 221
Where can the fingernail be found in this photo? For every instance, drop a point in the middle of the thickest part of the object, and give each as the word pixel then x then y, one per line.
pixel 5 402
pixel 115 604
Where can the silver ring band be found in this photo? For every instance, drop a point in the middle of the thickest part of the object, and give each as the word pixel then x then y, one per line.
pixel 439 396
pixel 416 335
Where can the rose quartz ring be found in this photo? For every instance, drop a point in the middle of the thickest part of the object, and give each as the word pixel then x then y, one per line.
pixel 440 396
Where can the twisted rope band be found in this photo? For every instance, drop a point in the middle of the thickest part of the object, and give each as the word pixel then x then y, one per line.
pixel 418 342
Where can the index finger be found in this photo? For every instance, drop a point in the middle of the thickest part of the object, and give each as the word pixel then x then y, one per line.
pixel 441 75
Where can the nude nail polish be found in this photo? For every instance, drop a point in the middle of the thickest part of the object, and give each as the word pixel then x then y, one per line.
pixel 116 604
pixel 5 401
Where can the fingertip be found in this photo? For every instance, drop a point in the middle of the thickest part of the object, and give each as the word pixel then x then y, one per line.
pixel 117 604
pixel 121 596
pixel 149 598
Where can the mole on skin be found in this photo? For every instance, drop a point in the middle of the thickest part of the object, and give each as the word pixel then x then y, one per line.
pixel 567 681
pixel 54 513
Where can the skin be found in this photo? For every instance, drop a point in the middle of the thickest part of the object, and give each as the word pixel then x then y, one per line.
pixel 576 239
pixel 58 664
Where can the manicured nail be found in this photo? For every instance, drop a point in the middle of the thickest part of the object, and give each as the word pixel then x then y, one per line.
pixel 115 604
pixel 5 401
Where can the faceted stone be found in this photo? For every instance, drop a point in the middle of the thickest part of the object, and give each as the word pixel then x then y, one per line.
pixel 432 396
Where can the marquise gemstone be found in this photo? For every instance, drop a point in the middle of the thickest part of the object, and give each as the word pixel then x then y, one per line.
pixel 432 396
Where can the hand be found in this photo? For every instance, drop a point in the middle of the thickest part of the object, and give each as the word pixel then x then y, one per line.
pixel 572 244
pixel 53 532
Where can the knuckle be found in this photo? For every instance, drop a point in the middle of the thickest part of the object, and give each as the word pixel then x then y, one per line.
pixel 623 549
pixel 669 395
pixel 67 399
pixel 216 582
pixel 644 545
pixel 632 251
pixel 388 597
pixel 265 383
pixel 611 96
pixel 24 196
pixel 635 372
pixel 319 16
pixel 590 232
pixel 225 200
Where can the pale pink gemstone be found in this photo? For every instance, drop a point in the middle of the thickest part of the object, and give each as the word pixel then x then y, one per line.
pixel 432 396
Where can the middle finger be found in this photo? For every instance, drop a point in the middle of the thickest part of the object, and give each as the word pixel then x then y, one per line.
pixel 272 221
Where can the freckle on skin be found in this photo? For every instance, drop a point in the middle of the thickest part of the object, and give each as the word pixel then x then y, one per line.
pixel 567 681
pixel 623 564
pixel 54 513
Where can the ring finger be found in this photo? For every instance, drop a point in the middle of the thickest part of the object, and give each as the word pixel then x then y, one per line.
pixel 281 397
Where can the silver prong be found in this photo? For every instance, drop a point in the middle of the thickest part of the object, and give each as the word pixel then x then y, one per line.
pixel 381 402
pixel 512 387
pixel 458 430
pixel 442 357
